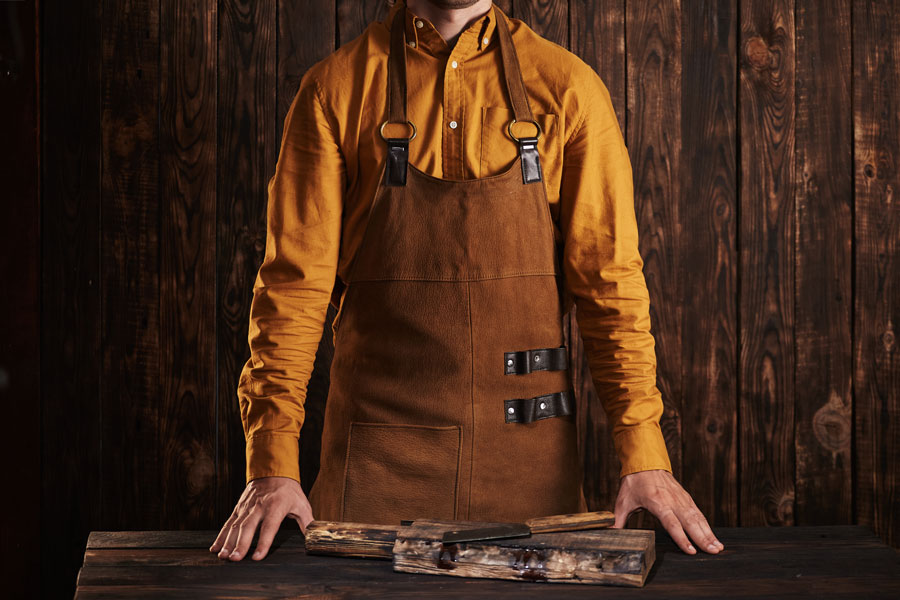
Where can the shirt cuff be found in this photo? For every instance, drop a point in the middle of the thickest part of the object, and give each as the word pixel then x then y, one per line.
pixel 642 448
pixel 273 455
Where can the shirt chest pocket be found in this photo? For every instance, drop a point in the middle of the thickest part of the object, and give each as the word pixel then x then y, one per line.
pixel 498 150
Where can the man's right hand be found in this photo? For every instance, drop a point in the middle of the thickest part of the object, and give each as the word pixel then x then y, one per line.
pixel 266 500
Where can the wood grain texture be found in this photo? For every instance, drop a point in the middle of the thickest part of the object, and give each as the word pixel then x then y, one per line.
pixel 597 36
pixel 653 136
pixel 549 18
pixel 570 522
pixel 876 353
pixel 823 405
pixel 766 294
pixel 773 562
pixel 708 261
pixel 353 16
pixel 129 265
pixel 361 540
pixel 599 556
pixel 187 280
pixel 247 153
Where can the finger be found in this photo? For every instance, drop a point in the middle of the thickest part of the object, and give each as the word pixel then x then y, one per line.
pixel 698 528
pixel 231 537
pixel 270 527
pixel 220 539
pixel 246 532
pixel 671 523
pixel 623 509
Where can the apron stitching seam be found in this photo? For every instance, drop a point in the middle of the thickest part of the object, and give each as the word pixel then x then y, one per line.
pixel 472 387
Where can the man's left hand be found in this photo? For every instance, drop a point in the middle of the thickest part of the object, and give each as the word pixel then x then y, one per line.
pixel 659 492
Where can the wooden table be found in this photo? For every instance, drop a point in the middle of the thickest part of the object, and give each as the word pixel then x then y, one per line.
pixel 776 562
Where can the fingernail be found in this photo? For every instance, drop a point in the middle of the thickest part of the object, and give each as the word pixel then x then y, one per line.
pixel 257 554
pixel 691 548
pixel 235 553
pixel 712 547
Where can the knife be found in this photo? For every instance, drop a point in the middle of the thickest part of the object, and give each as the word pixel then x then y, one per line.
pixel 567 522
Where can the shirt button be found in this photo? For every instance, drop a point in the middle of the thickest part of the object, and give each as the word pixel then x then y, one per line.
pixel 452 124
pixel 486 40
pixel 454 64
pixel 412 44
pixel 419 24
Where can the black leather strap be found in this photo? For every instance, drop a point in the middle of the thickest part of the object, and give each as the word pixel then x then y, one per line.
pixel 397 159
pixel 539 359
pixel 531 161
pixel 526 410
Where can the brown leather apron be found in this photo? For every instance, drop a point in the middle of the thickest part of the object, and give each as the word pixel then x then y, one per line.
pixel 450 396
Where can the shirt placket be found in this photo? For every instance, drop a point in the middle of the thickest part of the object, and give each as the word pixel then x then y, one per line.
pixel 454 118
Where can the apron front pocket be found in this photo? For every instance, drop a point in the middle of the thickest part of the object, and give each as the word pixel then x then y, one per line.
pixel 400 471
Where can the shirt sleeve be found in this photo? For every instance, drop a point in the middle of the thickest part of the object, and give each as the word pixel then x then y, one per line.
pixel 603 272
pixel 293 286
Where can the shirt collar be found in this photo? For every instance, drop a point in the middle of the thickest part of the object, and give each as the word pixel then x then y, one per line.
pixel 471 40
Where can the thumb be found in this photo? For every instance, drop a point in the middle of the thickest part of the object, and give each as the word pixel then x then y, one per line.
pixel 621 518
pixel 302 522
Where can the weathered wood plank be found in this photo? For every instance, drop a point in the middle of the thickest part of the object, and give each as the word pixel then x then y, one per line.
pixel 588 520
pixel 351 539
pixel 796 562
pixel 876 353
pixel 597 35
pixel 353 16
pixel 823 258
pixel 654 139
pixel 597 556
pixel 766 406
pixel 708 259
pixel 549 18
pixel 129 265
pixel 245 162
pixel 187 279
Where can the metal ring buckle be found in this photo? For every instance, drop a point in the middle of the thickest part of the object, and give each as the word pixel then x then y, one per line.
pixel 536 124
pixel 381 131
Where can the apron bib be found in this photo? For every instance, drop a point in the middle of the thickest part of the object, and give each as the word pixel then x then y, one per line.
pixel 450 395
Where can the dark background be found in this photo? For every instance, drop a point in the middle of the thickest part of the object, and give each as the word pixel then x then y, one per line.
pixel 138 139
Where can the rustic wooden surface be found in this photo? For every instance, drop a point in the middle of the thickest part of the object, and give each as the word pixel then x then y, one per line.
pixel 600 556
pixel 773 562
pixel 763 139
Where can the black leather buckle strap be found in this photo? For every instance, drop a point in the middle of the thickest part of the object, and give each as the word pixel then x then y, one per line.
pixel 539 359
pixel 397 160
pixel 526 410
pixel 531 162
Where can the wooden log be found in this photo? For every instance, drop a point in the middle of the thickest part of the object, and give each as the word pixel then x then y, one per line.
pixel 362 540
pixel 600 556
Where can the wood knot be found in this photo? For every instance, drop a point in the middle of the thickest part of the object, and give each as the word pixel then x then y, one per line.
pixel 888 339
pixel 758 54
pixel 831 425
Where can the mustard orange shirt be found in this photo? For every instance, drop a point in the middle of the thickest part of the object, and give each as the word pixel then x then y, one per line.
pixel 327 174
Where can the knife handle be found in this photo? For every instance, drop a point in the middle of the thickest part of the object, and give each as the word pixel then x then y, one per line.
pixel 571 522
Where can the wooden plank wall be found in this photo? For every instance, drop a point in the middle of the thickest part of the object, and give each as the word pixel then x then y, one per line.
pixel 763 136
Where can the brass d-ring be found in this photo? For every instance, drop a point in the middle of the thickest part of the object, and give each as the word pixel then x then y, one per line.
pixel 381 130
pixel 536 124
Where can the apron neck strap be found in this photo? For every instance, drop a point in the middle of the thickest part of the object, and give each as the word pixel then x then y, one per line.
pixel 512 72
